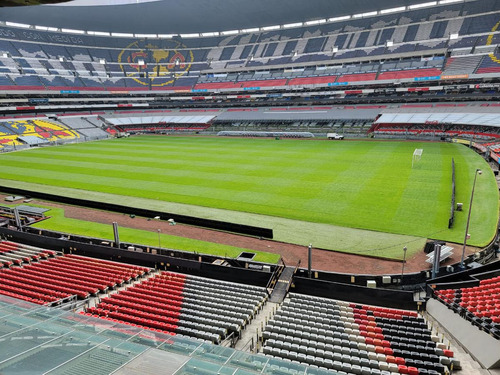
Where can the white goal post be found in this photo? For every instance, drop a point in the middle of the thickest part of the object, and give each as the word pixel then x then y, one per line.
pixel 417 155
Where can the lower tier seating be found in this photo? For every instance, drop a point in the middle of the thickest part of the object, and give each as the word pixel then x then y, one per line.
pixel 480 304
pixel 356 339
pixel 12 253
pixel 183 304
pixel 19 132
pixel 43 277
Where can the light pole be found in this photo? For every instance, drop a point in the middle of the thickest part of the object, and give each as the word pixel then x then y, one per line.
pixel 404 261
pixel 478 171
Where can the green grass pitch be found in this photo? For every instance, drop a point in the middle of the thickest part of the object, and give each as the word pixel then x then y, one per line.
pixel 367 185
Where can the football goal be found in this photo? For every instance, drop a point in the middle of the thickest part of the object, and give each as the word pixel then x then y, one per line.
pixel 417 155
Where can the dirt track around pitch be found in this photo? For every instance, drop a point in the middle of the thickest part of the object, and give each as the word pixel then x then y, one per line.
pixel 324 260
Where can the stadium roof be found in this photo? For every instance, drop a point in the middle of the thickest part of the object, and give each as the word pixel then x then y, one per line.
pixel 189 16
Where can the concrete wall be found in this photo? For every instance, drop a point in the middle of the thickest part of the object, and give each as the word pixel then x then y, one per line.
pixel 481 346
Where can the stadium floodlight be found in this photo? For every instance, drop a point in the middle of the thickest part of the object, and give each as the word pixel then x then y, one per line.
pixel 102 61
pixel 229 32
pixel 389 43
pixel 215 33
pixel 291 25
pixel 366 14
pixel 341 18
pixel 73 31
pixel 166 36
pixel 270 28
pixel 45 28
pixel 192 35
pixel 251 30
pixel 315 22
pixel 123 35
pixel 467 235
pixel 392 10
pixel 98 33
pixel 442 2
pixel 146 35
pixel 335 49
pixel 453 36
pixel 422 5
pixel 16 24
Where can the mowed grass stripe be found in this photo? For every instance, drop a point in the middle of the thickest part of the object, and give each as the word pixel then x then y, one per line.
pixel 181 184
pixel 366 185
pixel 157 163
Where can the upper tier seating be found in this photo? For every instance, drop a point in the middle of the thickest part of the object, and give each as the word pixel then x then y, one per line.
pixel 357 339
pixel 45 64
pixel 184 304
pixel 400 74
pixel 312 80
pixel 490 64
pixel 357 77
pixel 480 304
pixel 462 65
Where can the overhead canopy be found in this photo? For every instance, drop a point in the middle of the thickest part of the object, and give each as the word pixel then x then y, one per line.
pixel 305 115
pixel 461 118
pixel 190 16
pixel 159 120
pixel 33 140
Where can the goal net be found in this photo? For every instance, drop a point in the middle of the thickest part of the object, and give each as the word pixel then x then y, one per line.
pixel 417 155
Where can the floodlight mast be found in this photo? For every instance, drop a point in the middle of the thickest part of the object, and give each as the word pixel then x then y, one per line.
pixel 478 171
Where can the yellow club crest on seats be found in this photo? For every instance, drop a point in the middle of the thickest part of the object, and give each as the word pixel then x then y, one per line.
pixel 490 40
pixel 155 63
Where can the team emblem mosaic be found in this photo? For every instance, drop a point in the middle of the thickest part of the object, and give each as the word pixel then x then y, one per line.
pixel 148 62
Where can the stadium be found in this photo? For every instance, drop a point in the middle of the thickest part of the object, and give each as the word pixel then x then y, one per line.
pixel 249 187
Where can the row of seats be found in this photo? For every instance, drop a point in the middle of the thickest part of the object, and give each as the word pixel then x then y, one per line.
pixel 480 304
pixel 490 64
pixel 271 45
pixel 185 304
pixel 12 253
pixel 359 339
pixel 53 280
pixel 340 78
pixel 32 82
pixel 350 73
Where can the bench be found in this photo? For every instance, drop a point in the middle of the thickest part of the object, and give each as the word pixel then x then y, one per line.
pixel 446 252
